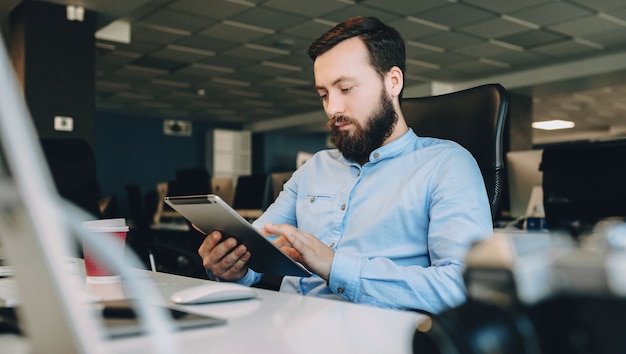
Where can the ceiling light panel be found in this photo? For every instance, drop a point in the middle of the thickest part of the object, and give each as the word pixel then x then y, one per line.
pixel 306 8
pixel 210 9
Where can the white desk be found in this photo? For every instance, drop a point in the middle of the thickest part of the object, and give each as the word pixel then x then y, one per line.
pixel 281 323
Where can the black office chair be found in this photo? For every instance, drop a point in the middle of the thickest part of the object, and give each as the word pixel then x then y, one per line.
pixel 474 118
pixel 72 164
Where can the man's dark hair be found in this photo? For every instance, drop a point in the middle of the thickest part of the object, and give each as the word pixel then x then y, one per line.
pixel 384 43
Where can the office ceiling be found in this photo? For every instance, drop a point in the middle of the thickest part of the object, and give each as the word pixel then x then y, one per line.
pixel 244 61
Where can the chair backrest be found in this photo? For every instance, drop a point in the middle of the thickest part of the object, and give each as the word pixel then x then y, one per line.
pixel 189 181
pixel 73 167
pixel 252 192
pixel 474 118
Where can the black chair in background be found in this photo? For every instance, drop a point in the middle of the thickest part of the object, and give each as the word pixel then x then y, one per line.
pixel 475 118
pixel 189 181
pixel 252 195
pixel 73 166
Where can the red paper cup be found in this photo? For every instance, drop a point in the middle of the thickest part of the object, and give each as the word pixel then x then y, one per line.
pixel 94 270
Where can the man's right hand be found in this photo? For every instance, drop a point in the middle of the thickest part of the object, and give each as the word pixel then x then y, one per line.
pixel 226 260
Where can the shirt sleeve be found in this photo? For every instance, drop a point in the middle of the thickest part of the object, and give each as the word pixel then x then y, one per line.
pixel 459 216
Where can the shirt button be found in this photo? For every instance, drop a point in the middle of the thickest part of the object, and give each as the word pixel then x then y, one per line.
pixel 340 290
pixel 376 155
pixel 332 244
pixel 343 207
pixel 312 199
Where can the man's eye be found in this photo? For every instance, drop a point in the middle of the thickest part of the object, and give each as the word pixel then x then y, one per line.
pixel 324 97
pixel 346 90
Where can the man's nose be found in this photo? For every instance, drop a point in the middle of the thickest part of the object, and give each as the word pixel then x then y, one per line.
pixel 335 105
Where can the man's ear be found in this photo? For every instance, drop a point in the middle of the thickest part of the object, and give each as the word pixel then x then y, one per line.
pixel 394 81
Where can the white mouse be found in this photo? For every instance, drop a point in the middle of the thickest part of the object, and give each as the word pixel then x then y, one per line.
pixel 213 292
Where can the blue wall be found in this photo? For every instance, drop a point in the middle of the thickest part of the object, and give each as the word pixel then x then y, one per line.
pixel 135 150
pixel 280 150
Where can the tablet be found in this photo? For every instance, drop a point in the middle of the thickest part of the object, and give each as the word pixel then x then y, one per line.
pixel 209 213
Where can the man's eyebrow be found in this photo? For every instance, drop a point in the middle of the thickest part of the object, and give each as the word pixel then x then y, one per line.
pixel 336 82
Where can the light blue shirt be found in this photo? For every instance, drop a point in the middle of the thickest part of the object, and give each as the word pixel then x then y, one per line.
pixel 400 225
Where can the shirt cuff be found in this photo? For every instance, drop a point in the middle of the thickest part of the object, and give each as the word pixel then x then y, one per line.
pixel 250 278
pixel 345 274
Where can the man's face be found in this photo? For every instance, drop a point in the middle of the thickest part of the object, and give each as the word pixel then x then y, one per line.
pixel 354 97
pixel 356 145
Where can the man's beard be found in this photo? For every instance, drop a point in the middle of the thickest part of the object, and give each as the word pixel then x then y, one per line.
pixel 358 146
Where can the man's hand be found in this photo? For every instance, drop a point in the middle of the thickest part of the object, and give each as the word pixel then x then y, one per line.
pixel 224 259
pixel 302 247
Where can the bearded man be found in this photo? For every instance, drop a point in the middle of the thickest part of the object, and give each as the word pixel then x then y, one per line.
pixel 386 218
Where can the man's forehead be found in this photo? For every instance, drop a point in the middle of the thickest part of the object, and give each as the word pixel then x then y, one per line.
pixel 341 63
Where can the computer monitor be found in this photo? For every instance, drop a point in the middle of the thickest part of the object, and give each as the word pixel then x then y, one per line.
pixel 278 179
pixel 252 192
pixel 583 183
pixel 523 175
pixel 224 188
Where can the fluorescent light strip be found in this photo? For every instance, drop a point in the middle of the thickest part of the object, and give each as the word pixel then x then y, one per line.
pixel 267 49
pixel 170 83
pixel 553 124
pixel 426 46
pixel 242 2
pixel 281 66
pixel 232 82
pixel 145 69
pixel 105 46
pixel 494 63
pixel 166 29
pixel 588 43
pixel 417 77
pixel 506 45
pixel 181 48
pixel 289 80
pixel 427 23
pixel 613 19
pixel 221 69
pixel 321 21
pixel 248 27
pixel 423 64
pixel 520 22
